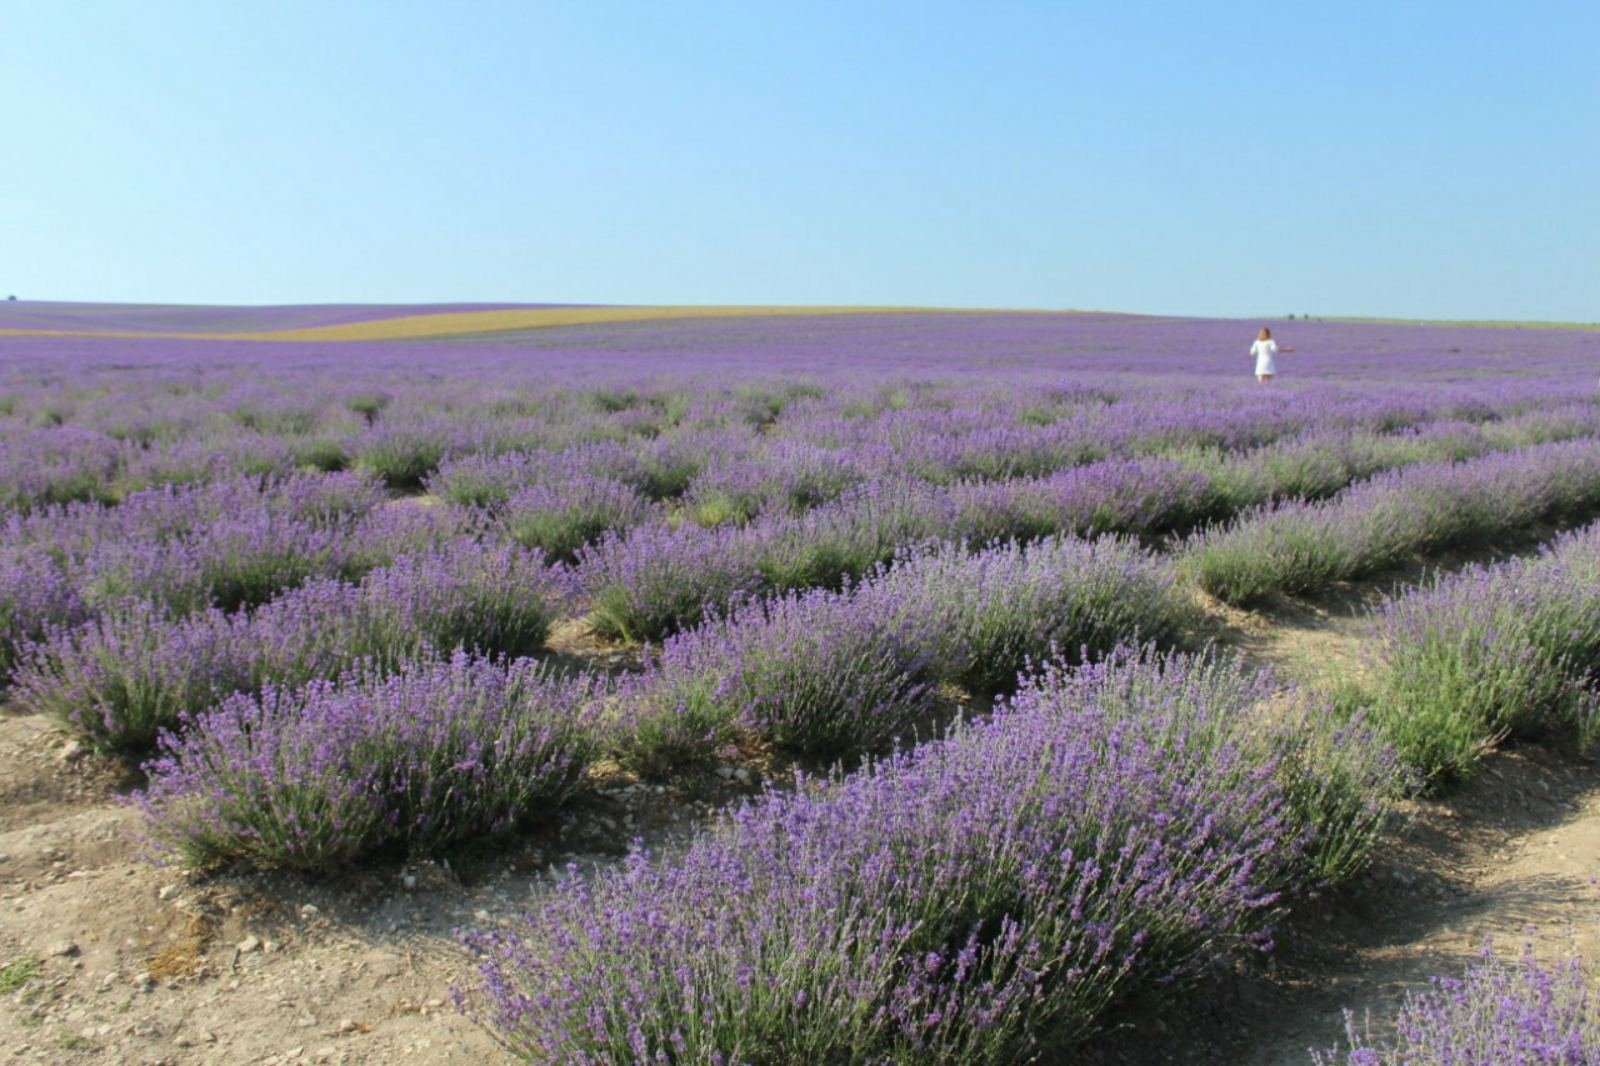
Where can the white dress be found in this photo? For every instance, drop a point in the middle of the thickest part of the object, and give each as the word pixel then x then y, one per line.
pixel 1264 351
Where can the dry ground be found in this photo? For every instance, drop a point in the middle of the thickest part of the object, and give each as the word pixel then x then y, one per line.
pixel 106 958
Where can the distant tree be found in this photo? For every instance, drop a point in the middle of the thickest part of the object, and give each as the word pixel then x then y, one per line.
pixel 1291 316
pixel 11 297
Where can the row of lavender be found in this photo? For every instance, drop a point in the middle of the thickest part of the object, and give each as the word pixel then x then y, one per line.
pixel 608 483
pixel 227 545
pixel 1305 547
pixel 137 669
pixel 981 898
pixel 1508 649
pixel 966 436
pixel 1459 664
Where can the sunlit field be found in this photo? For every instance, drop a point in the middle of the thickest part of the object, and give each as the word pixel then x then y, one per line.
pixel 936 615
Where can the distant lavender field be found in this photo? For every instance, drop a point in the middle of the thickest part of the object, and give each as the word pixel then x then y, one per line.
pixel 917 343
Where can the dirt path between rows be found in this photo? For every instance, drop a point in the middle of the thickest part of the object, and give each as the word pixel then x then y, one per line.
pixel 106 958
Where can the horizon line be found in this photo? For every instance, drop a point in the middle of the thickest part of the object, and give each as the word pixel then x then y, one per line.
pixel 483 317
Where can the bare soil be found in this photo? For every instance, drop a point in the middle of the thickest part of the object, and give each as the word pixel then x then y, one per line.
pixel 135 963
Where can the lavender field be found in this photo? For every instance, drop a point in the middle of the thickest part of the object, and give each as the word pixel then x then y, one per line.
pixel 920 628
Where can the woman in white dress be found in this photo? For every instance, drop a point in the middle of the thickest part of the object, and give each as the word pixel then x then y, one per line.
pixel 1265 349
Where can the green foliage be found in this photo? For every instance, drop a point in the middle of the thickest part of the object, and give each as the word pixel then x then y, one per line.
pixel 1489 653
pixel 16 973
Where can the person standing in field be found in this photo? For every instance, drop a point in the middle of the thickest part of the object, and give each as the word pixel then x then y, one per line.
pixel 1266 350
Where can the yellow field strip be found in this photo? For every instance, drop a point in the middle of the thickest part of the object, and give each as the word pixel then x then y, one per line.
pixel 453 323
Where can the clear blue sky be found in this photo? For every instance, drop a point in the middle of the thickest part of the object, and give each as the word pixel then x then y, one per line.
pixel 1411 159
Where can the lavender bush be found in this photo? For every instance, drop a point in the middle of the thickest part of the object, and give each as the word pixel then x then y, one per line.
pixel 818 672
pixel 786 477
pixel 479 480
pixel 121 678
pixel 669 464
pixel 991 613
pixel 230 543
pixel 437 753
pixel 1149 496
pixel 845 539
pixel 404 455
pixel 492 598
pixel 59 464
pixel 488 480
pixel 654 580
pixel 1341 779
pixel 231 563
pixel 1462 661
pixel 835 673
pixel 407 527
